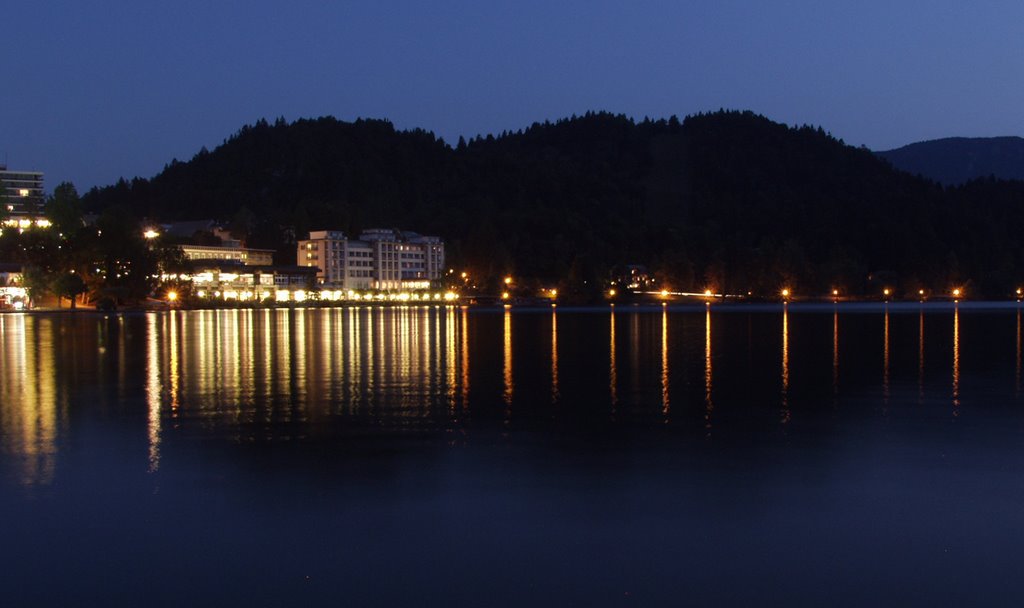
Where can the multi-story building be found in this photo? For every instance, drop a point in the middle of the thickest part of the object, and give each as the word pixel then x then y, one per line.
pixel 381 259
pixel 22 192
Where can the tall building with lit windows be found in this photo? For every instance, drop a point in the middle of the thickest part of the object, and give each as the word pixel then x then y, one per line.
pixel 22 192
pixel 381 259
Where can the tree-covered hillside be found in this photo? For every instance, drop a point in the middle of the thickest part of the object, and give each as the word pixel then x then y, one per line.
pixel 956 160
pixel 729 200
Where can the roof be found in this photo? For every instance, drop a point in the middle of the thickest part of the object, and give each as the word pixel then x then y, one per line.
pixel 189 228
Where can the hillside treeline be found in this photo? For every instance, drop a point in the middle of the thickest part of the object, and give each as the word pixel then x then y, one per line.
pixel 728 200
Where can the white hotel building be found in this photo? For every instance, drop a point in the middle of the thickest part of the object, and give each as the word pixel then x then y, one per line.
pixel 381 259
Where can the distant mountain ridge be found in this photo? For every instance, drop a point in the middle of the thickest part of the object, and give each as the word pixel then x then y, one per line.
pixel 956 160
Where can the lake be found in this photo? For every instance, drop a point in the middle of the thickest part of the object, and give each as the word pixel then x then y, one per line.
pixel 843 454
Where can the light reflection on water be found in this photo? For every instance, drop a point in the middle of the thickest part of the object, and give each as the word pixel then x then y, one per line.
pixel 271 375
pixel 33 415
pixel 570 449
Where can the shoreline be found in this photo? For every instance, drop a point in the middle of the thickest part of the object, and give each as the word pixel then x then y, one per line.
pixel 731 306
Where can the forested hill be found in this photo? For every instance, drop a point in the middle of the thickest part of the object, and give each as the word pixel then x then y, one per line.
pixel 955 160
pixel 729 200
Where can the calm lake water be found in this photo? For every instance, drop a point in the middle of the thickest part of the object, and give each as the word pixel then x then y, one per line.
pixel 850 455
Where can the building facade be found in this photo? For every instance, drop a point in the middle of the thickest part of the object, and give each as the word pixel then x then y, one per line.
pixel 233 281
pixel 381 259
pixel 22 192
pixel 236 255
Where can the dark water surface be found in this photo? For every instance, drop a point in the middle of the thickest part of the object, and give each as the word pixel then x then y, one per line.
pixel 418 456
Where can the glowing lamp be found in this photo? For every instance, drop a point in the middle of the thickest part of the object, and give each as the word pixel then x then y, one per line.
pixel 172 296
pixel 785 293
pixel 956 292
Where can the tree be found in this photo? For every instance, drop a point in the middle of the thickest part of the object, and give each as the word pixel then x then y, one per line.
pixel 68 285
pixel 64 209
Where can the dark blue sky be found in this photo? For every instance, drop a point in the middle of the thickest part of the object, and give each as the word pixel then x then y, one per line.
pixel 93 91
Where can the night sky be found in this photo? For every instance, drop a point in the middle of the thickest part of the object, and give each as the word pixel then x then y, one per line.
pixel 93 91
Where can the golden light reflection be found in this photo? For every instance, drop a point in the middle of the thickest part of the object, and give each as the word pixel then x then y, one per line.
pixel 613 376
pixel 174 361
pixel 507 370
pixel 29 412
pixel 709 405
pixel 956 360
pixel 451 357
pixel 665 402
pixel 464 335
pixel 885 358
pixel 153 390
pixel 920 357
pixel 835 353
pixel 1017 374
pixel 785 366
pixel 554 356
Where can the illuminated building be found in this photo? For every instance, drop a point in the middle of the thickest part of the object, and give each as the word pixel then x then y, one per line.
pixel 234 281
pixel 633 277
pixel 382 259
pixel 227 253
pixel 12 291
pixel 22 192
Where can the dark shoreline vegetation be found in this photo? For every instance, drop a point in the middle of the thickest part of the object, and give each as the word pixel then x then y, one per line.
pixel 728 201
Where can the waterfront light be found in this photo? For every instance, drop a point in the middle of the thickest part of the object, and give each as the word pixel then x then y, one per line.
pixel 886 292
pixel 707 293
pixel 504 295
pixel 611 293
pixel 1020 291
pixel 664 293
pixel 956 292
pixel 835 292
pixel 508 280
pixel 150 233
pixel 172 296
pixel 785 292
